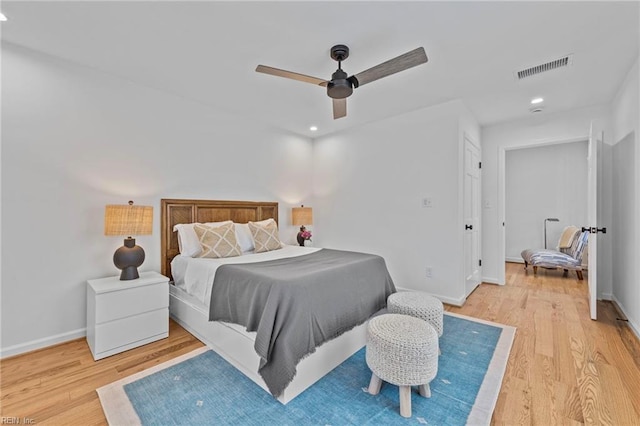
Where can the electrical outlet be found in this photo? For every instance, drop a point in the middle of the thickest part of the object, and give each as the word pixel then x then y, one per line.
pixel 429 271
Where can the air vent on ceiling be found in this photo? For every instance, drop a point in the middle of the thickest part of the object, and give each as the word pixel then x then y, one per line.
pixel 551 65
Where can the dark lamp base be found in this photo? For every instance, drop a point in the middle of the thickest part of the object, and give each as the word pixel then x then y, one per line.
pixel 128 258
pixel 300 238
pixel 129 273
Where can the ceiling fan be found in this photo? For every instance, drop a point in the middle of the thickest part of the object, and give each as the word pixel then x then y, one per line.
pixel 341 86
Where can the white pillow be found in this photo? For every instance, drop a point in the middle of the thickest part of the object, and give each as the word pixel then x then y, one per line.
pixel 265 222
pixel 188 241
pixel 244 237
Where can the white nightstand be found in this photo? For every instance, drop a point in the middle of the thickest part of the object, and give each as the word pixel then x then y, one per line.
pixel 122 315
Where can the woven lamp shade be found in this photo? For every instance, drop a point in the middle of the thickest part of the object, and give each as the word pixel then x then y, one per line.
pixel 302 216
pixel 128 220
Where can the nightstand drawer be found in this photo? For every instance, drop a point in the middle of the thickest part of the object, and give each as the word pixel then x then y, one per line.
pixel 115 305
pixel 125 331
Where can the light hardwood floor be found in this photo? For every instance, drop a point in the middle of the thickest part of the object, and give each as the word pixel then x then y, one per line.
pixel 563 368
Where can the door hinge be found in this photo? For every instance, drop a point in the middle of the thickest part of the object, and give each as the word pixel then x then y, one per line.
pixel 479 262
pixel 480 165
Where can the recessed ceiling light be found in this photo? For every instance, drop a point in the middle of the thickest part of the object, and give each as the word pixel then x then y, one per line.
pixel 536 101
pixel 2 17
pixel 313 128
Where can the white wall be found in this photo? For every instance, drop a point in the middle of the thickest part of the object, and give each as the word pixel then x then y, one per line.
pixel 74 140
pixel 538 130
pixel 543 182
pixel 369 183
pixel 626 203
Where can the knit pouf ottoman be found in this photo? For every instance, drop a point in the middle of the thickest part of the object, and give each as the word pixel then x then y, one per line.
pixel 417 304
pixel 401 350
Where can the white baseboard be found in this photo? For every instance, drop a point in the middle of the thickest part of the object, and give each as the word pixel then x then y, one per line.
pixel 451 301
pixel 42 343
pixel 443 299
pixel 634 327
pixel 514 259
pixel 491 280
pixel 607 296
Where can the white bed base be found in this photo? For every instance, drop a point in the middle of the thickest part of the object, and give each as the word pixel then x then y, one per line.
pixel 236 346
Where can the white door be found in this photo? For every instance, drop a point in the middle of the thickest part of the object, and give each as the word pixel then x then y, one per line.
pixel 471 214
pixel 592 215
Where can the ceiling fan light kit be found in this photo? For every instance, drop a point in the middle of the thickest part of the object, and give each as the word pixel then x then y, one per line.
pixel 341 85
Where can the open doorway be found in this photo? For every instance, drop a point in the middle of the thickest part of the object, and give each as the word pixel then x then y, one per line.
pixel 545 191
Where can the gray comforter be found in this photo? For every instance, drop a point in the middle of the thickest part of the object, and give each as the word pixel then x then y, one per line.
pixel 296 304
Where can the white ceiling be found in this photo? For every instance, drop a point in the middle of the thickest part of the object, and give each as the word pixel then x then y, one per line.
pixel 208 51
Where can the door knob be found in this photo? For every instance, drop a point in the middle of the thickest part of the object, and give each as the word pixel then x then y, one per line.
pixel 468 227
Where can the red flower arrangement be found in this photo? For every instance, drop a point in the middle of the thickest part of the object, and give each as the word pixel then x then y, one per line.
pixel 303 235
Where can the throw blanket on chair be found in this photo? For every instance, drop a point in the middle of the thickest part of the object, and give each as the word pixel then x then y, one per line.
pixel 568 235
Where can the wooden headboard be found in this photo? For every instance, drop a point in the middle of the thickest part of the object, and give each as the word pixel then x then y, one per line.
pixel 175 211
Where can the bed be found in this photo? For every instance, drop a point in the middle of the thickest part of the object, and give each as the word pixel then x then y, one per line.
pixel 287 283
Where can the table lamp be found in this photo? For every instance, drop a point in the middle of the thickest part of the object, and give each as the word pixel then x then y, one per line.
pixel 128 220
pixel 300 216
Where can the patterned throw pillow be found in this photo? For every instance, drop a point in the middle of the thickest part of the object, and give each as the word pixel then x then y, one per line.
pixel 265 236
pixel 219 241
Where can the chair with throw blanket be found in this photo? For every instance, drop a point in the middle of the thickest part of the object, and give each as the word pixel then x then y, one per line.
pixel 568 256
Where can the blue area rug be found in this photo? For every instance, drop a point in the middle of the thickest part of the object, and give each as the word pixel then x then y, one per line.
pixel 205 389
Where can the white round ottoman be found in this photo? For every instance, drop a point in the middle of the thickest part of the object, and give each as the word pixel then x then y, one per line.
pixel 417 304
pixel 401 350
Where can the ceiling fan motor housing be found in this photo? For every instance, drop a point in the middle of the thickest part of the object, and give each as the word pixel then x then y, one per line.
pixel 340 86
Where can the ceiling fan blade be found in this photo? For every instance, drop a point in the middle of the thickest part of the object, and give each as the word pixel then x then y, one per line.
pixel 392 66
pixel 339 108
pixel 289 74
